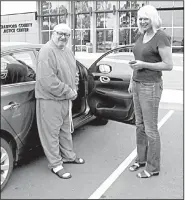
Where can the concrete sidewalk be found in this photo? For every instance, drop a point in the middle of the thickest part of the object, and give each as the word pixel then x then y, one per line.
pixel 172 99
pixel 85 55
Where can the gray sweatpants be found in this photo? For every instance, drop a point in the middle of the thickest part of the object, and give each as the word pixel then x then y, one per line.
pixel 54 122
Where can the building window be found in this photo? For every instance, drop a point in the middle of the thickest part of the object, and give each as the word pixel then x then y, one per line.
pixel 163 4
pixel 45 23
pixel 124 36
pixel 179 3
pixel 104 25
pixel 53 22
pixel 81 6
pixel 104 40
pixel 166 17
pixel 123 5
pixel 178 37
pixel 128 30
pixel 83 21
pixel 124 19
pixel 82 26
pixel 45 7
pixel 82 37
pixel 104 20
pixel 56 12
pixel 178 18
pixel 104 5
pixel 53 7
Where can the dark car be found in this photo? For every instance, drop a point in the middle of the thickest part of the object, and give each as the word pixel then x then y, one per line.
pixel 102 95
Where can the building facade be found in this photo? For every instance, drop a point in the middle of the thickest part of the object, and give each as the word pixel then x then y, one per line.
pixel 106 24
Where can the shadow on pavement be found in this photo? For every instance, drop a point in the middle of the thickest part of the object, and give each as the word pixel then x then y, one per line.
pixel 30 156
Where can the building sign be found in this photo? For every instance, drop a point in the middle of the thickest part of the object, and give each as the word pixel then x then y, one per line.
pixel 13 28
pixel 21 27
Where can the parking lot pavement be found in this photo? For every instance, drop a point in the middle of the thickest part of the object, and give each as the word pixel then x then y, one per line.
pixel 105 148
pixel 169 184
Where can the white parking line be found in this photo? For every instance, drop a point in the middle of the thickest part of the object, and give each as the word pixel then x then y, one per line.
pixel 110 180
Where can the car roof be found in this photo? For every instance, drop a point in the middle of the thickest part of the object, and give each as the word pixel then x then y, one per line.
pixel 7 46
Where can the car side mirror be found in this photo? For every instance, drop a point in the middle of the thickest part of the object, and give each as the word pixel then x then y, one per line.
pixel 105 69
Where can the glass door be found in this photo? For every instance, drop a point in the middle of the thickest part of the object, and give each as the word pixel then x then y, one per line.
pixel 104 40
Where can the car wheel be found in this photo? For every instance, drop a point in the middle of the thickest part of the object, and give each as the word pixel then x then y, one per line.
pixel 6 162
pixel 100 121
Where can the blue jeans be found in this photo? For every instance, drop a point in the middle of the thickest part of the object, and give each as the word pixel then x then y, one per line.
pixel 146 97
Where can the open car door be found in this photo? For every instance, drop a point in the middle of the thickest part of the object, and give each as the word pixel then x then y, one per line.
pixel 108 83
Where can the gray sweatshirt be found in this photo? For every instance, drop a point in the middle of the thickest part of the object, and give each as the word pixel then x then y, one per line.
pixel 56 73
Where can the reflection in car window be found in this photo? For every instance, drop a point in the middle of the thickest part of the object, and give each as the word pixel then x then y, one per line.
pixel 17 67
pixel 25 57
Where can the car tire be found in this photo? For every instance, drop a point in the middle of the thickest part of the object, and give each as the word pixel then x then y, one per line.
pixel 8 160
pixel 100 121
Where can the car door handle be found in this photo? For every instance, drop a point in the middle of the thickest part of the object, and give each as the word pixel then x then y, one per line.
pixel 11 105
pixel 104 79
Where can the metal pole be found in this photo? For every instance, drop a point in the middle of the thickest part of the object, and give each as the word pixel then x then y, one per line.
pixel 73 24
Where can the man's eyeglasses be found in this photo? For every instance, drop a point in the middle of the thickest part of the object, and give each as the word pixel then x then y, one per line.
pixel 63 34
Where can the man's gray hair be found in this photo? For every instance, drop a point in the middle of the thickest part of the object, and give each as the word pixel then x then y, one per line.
pixel 62 28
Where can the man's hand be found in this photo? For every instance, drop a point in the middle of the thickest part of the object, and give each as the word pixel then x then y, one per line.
pixel 75 95
pixel 71 95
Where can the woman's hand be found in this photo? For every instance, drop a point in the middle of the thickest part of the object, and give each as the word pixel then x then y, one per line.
pixel 136 64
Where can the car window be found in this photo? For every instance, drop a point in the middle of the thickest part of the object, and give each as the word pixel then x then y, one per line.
pixel 18 67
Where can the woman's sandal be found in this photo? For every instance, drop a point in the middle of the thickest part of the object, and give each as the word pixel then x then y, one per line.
pixel 136 166
pixel 145 174
pixel 76 161
pixel 62 173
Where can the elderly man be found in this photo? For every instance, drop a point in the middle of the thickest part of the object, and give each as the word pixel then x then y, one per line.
pixel 56 87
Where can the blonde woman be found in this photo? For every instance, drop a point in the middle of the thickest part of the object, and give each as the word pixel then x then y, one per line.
pixel 153 54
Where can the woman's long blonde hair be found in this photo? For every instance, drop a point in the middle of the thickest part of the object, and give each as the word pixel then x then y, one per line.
pixel 151 13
